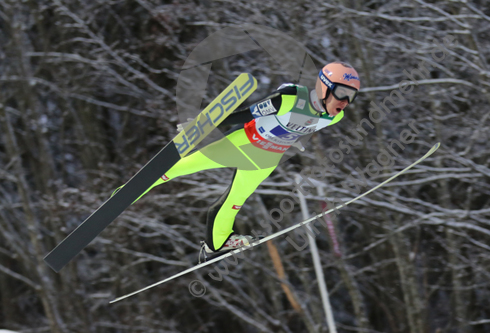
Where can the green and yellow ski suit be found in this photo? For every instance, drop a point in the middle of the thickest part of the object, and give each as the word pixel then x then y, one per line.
pixel 268 128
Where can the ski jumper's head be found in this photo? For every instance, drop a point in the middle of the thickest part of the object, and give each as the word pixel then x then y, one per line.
pixel 337 85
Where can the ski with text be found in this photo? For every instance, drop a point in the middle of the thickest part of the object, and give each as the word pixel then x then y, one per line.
pixel 237 92
pixel 279 233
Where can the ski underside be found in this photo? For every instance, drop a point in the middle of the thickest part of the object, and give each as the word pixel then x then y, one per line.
pixel 279 233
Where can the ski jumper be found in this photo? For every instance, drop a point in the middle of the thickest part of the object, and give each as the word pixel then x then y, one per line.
pixel 254 148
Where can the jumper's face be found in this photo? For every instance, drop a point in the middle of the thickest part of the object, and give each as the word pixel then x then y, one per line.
pixel 334 106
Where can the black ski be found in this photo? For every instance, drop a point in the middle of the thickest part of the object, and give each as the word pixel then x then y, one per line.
pixel 239 90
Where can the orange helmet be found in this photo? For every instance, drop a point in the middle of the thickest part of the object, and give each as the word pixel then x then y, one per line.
pixel 341 79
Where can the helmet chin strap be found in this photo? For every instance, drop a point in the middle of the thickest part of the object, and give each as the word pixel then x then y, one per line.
pixel 324 105
pixel 324 101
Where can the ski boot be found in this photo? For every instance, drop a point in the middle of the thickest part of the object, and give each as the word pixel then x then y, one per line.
pixel 234 242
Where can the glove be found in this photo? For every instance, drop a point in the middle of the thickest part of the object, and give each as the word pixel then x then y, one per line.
pixel 298 145
pixel 180 127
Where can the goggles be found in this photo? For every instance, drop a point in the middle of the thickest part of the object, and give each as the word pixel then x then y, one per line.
pixel 339 91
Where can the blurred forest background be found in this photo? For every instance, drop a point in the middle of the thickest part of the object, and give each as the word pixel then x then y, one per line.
pixel 87 97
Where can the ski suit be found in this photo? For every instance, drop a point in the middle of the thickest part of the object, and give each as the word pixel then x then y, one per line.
pixel 254 148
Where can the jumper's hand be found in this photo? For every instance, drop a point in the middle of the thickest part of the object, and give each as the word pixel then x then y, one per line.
pixel 180 127
pixel 298 145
